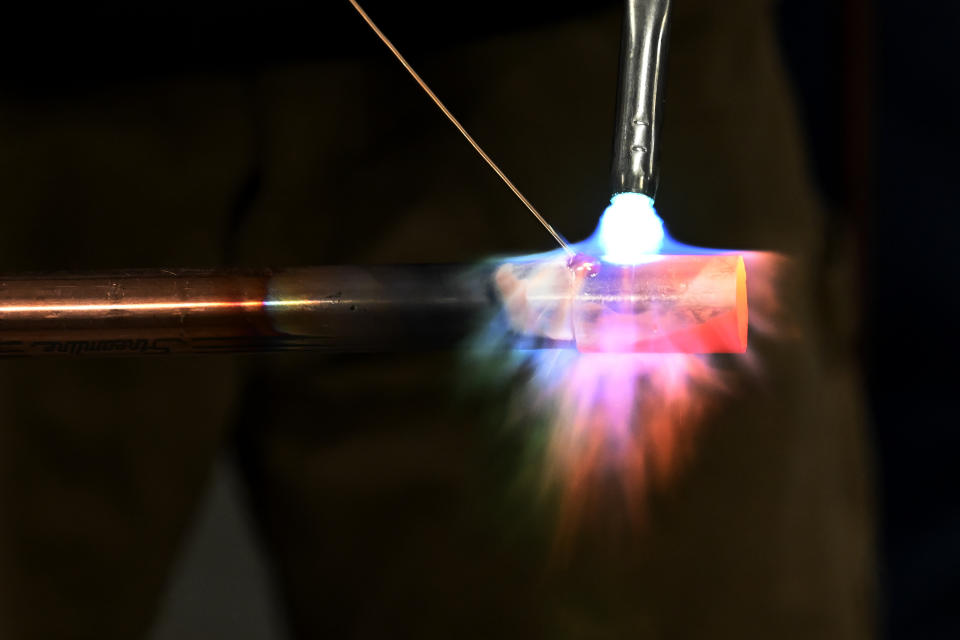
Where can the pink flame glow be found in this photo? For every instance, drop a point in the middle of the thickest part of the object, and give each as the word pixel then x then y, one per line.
pixel 621 418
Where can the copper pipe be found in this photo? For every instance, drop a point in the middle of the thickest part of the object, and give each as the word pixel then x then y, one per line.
pixel 668 304
pixel 155 312
pixel 684 304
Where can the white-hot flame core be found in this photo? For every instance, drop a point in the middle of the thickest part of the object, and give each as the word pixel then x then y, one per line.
pixel 630 229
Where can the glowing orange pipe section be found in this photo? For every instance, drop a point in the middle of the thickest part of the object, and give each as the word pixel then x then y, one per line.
pixel 668 304
pixel 671 304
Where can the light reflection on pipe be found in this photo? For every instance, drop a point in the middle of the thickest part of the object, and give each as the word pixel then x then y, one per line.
pixel 159 306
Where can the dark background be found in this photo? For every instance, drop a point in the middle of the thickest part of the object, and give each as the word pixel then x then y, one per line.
pixel 879 95
pixel 876 82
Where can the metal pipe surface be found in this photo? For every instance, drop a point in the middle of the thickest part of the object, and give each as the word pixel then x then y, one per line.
pixel 679 304
pixel 643 53
pixel 669 304
pixel 155 312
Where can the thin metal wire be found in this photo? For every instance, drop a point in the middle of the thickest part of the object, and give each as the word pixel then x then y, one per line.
pixel 423 85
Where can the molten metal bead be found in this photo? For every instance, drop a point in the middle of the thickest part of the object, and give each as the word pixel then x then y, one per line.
pixel 584 265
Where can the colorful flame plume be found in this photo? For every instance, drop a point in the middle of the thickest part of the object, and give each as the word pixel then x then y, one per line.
pixel 618 422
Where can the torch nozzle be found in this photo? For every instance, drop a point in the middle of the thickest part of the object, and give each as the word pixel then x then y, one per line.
pixel 643 52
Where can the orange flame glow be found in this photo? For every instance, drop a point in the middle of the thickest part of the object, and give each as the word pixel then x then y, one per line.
pixel 625 420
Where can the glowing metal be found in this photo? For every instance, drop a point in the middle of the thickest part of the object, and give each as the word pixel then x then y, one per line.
pixel 671 304
pixel 666 304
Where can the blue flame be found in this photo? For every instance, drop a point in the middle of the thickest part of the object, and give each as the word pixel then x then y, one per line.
pixel 631 231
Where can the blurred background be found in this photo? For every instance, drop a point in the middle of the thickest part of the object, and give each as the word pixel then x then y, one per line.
pixel 882 154
pixel 246 134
